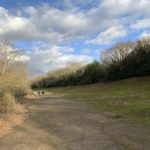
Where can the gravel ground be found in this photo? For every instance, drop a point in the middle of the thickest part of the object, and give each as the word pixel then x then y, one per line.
pixel 58 124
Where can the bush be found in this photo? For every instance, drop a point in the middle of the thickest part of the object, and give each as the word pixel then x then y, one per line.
pixel 91 73
pixel 20 93
pixel 7 102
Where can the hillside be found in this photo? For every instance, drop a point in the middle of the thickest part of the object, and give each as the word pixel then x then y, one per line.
pixel 129 98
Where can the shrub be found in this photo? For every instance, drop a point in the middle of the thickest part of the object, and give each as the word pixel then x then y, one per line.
pixel 20 93
pixel 7 102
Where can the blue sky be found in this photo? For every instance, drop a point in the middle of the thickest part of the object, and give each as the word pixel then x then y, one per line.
pixel 52 33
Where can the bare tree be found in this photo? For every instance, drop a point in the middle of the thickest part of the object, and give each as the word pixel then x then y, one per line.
pixel 7 55
pixel 4 54
pixel 116 53
pixel 145 40
pixel 73 66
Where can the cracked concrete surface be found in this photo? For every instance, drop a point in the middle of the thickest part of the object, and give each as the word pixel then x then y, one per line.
pixel 58 124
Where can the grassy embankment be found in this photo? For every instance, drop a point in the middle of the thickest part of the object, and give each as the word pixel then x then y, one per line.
pixel 129 98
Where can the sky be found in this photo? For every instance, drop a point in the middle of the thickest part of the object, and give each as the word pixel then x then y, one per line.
pixel 52 33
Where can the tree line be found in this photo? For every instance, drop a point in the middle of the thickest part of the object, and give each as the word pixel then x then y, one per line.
pixel 123 60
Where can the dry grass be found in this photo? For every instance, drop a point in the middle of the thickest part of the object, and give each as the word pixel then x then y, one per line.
pixel 30 97
pixel 9 120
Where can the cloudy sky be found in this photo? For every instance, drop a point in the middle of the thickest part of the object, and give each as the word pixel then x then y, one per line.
pixel 52 33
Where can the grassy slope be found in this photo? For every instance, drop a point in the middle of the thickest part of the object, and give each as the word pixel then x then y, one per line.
pixel 129 97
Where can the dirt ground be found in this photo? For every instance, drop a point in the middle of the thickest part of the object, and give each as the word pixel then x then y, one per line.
pixel 58 124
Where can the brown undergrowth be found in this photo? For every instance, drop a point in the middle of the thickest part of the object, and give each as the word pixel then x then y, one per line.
pixel 9 120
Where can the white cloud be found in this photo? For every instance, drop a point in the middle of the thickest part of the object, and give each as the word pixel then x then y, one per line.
pixel 144 34
pixel 10 23
pixel 141 24
pixel 86 51
pixel 22 58
pixel 110 20
pixel 73 23
pixel 108 36
pixel 68 50
pixel 48 58
pixel 98 51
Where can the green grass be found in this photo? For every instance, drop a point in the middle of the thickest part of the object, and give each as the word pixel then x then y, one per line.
pixel 129 97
